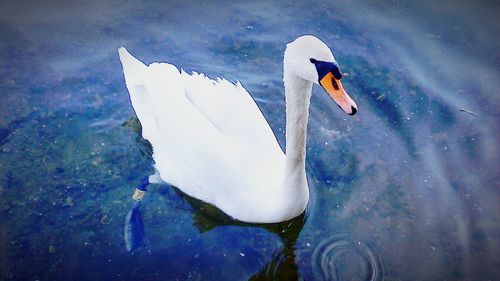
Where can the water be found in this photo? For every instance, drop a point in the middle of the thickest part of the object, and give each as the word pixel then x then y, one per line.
pixel 407 189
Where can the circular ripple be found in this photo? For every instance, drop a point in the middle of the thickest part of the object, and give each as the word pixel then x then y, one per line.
pixel 340 258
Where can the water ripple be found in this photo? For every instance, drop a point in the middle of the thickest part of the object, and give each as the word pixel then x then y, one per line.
pixel 341 258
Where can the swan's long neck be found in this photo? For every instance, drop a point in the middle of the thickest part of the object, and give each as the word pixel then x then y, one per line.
pixel 298 96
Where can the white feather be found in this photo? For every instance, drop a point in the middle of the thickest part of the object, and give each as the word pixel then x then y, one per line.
pixel 211 140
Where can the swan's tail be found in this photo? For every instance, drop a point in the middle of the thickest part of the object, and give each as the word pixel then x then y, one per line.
pixel 138 81
pixel 133 69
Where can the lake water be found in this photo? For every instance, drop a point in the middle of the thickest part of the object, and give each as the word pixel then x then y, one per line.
pixel 407 189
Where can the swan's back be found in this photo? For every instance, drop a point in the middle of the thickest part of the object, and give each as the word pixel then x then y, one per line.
pixel 209 137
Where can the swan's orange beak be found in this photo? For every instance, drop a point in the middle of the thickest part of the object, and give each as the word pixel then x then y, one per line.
pixel 334 88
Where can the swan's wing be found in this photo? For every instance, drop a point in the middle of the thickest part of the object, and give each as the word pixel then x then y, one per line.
pixel 181 136
pixel 231 109
pixel 202 130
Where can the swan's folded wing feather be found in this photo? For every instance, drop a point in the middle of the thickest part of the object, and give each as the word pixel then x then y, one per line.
pixel 202 130
pixel 169 120
pixel 231 109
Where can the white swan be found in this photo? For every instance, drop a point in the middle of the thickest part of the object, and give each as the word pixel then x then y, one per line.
pixel 211 140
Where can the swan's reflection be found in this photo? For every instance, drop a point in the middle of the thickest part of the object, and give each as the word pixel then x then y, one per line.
pixel 336 257
pixel 282 265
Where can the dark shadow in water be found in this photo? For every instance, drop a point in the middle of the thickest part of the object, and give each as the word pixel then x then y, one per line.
pixel 144 145
pixel 282 265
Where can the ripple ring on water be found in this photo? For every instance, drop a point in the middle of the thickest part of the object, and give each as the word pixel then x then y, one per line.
pixel 329 253
pixel 105 219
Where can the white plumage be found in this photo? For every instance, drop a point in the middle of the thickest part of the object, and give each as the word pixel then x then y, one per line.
pixel 211 141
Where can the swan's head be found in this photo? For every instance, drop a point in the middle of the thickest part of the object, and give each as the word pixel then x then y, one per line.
pixel 309 58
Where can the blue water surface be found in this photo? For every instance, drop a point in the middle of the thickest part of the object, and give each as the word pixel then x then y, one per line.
pixel 407 189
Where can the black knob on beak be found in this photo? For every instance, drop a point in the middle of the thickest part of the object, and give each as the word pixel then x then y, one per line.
pixel 354 110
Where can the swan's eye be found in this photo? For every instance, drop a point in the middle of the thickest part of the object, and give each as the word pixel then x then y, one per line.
pixel 334 83
pixel 324 67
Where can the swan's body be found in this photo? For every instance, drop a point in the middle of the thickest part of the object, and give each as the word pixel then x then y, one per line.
pixel 211 140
